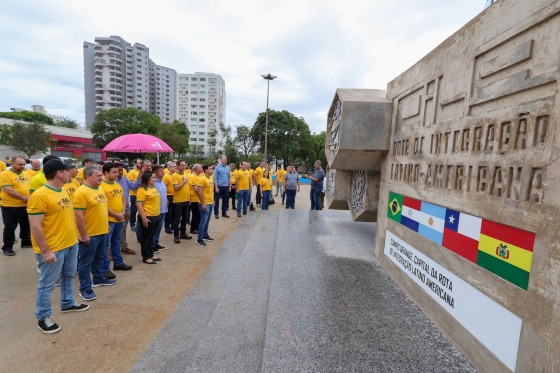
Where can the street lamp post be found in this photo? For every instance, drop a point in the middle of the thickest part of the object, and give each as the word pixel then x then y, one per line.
pixel 268 77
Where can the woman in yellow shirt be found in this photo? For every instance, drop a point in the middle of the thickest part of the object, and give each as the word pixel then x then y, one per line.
pixel 266 189
pixel 148 205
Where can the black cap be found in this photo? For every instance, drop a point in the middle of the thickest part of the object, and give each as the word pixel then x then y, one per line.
pixel 55 165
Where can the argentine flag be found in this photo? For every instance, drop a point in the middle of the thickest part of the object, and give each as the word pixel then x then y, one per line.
pixel 425 218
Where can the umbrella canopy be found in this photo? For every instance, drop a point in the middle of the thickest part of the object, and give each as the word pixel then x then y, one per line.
pixel 137 143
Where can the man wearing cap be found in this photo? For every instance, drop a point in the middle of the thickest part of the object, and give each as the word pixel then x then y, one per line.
pixel 92 219
pixel 222 185
pixel 55 243
pixel 14 194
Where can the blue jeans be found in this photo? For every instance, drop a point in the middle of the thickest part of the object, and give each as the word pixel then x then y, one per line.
pixel 65 268
pixel 265 199
pixel 133 210
pixel 205 217
pixel 114 242
pixel 90 261
pixel 223 195
pixel 315 196
pixel 159 226
pixel 243 199
pixel 290 198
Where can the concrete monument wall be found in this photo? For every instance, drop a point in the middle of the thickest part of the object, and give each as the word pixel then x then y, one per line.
pixel 470 189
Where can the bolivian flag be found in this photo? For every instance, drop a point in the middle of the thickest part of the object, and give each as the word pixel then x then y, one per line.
pixel 506 251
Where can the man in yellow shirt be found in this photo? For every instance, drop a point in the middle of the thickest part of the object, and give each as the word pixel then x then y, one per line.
pixel 243 181
pixel 181 202
pixel 87 162
pixel 132 176
pixel 56 248
pixel 195 200
pixel 168 181
pixel 279 179
pixel 39 180
pixel 116 209
pixel 205 191
pixel 34 170
pixel 233 190
pixel 92 220
pixel 256 177
pixel 14 196
pixel 71 186
pixel 3 166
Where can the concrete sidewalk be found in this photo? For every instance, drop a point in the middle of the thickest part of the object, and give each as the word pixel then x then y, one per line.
pixel 294 291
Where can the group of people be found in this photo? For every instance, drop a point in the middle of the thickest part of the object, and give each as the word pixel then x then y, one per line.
pixel 76 219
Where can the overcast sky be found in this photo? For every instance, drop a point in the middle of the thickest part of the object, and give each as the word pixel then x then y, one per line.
pixel 312 46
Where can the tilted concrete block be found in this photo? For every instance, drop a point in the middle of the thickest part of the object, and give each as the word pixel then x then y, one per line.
pixel 336 196
pixel 358 129
pixel 363 193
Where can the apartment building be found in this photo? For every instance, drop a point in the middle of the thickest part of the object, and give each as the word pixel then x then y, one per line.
pixel 201 105
pixel 120 74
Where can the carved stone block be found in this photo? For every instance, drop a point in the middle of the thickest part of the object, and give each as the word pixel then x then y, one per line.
pixel 364 195
pixel 336 196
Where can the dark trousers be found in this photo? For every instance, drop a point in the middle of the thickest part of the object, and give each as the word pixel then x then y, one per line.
pixel 223 195
pixel 170 214
pixel 133 211
pixel 195 217
pixel 290 198
pixel 12 216
pixel 147 240
pixel 232 196
pixel 258 198
pixel 180 210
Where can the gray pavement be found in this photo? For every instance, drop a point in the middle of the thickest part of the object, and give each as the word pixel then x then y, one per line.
pixel 299 291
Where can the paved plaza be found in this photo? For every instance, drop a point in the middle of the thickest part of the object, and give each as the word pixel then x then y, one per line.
pixel 278 291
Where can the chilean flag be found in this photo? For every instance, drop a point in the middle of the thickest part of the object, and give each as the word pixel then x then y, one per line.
pixel 461 234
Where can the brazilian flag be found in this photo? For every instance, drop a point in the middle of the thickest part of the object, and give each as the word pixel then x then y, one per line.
pixel 395 206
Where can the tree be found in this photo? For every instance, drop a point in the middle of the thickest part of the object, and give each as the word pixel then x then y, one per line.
pixel 316 150
pixel 176 135
pixel 28 116
pixel 112 123
pixel 28 138
pixel 196 153
pixel 244 140
pixel 288 135
pixel 67 122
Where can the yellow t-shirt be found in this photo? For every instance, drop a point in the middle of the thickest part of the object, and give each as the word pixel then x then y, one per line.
pixel 71 187
pixel 150 199
pixel 265 183
pixel 280 175
pixel 165 171
pixel 2 166
pixel 233 176
pixel 114 193
pixel 259 171
pixel 193 182
pixel 19 182
pixel 94 203
pixel 132 176
pixel 80 174
pixel 243 179
pixel 124 172
pixel 59 224
pixel 37 181
pixel 30 172
pixel 168 181
pixel 207 185
pixel 183 194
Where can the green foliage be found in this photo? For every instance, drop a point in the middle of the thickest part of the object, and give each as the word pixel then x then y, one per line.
pixel 289 137
pixel 28 138
pixel 112 123
pixel 176 135
pixel 28 116
pixel 196 154
pixel 67 122
pixel 244 142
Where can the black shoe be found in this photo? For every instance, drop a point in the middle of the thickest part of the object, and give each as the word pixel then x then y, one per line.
pixel 175 240
pixel 201 242
pixel 217 216
pixel 76 308
pixel 10 252
pixel 208 239
pixel 110 275
pixel 244 212
pixel 48 326
pixel 160 248
pixel 26 245
pixel 225 215
pixel 185 237
pixel 168 231
pixel 194 231
pixel 238 214
pixel 122 267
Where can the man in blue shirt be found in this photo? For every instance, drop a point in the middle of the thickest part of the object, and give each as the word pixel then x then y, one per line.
pixel 316 186
pixel 162 189
pixel 222 186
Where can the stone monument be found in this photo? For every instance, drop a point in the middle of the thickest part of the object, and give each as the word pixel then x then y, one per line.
pixel 469 186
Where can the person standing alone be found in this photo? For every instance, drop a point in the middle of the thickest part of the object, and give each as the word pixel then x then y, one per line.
pixel 291 187
pixel 316 186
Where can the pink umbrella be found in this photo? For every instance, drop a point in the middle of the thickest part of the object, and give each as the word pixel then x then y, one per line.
pixel 138 143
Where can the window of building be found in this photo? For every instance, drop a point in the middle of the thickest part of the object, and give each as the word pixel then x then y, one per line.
pixel 194 79
pixel 202 120
pixel 193 112
pixel 202 79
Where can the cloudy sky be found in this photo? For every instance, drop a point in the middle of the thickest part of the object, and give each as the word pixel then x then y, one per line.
pixel 312 46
